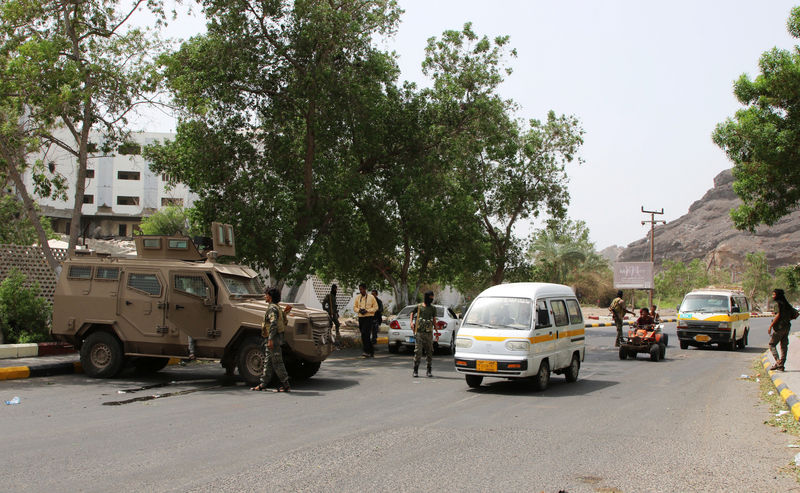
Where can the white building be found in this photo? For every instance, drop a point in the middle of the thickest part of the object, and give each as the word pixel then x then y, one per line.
pixel 120 188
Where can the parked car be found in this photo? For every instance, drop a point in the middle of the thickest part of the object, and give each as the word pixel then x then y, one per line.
pixel 400 333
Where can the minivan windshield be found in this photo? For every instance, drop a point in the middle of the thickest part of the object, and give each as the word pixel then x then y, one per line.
pixel 704 303
pixel 500 313
pixel 242 286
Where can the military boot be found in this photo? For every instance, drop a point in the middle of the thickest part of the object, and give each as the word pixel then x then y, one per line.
pixel 416 370
pixel 428 373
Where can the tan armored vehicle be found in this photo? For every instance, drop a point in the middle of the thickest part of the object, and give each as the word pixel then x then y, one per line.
pixel 142 310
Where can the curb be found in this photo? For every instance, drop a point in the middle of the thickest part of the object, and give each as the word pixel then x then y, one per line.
pixel 8 351
pixel 45 370
pixel 791 399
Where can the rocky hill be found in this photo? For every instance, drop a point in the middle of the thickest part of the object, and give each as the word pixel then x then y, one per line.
pixel 706 232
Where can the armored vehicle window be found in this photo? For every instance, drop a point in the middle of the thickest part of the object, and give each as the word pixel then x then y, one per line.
pixel 193 285
pixel 574 310
pixel 559 312
pixel 108 273
pixel 152 243
pixel 542 315
pixel 145 282
pixel 80 272
pixel 178 244
pixel 240 285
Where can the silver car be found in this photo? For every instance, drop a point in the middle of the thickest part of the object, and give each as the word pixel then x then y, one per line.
pixel 400 333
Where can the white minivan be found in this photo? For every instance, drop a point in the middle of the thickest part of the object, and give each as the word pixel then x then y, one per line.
pixel 521 330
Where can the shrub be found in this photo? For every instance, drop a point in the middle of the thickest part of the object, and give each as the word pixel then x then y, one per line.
pixel 24 316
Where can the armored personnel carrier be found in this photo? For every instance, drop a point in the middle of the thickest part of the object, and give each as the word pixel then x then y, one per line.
pixel 141 311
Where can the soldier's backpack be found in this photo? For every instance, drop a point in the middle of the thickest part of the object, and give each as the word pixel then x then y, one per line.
pixel 282 323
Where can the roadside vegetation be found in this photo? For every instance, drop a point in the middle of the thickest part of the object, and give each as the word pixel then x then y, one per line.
pixel 24 315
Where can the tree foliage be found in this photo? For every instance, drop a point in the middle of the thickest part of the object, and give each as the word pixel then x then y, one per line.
pixel 756 278
pixel 763 139
pixel 15 225
pixel 170 220
pixel 676 278
pixel 70 71
pixel 24 315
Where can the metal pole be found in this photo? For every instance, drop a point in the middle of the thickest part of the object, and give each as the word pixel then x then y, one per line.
pixel 652 222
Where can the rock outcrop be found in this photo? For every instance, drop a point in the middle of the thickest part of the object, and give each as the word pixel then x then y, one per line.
pixel 706 232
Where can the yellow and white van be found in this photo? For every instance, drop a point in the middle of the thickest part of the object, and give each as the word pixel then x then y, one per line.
pixel 521 330
pixel 714 316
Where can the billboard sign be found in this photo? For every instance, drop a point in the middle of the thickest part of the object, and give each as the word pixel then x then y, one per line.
pixel 633 275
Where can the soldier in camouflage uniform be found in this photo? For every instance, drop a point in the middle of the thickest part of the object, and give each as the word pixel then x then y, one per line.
pixel 423 320
pixel 274 326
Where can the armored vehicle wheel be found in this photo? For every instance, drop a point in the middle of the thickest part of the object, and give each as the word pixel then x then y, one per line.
pixel 542 378
pixel 684 345
pixel 145 365
pixel 474 381
pixel 662 351
pixel 101 355
pixel 250 359
pixel 394 348
pixel 571 373
pixel 300 369
pixel 623 353
pixel 654 352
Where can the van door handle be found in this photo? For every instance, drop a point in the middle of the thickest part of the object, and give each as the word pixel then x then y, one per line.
pixel 179 307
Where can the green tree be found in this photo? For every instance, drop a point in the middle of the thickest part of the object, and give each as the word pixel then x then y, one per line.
pixel 24 315
pixel 788 278
pixel 282 103
pixel 756 278
pixel 676 278
pixel 763 138
pixel 170 220
pixel 15 226
pixel 70 71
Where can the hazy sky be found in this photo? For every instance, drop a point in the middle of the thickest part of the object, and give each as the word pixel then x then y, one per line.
pixel 648 80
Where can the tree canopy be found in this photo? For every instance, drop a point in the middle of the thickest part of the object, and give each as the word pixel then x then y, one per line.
pixel 763 138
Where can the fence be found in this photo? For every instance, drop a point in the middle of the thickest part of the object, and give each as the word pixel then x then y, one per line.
pixel 30 261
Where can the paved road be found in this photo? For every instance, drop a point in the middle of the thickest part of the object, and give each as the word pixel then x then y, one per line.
pixel 688 423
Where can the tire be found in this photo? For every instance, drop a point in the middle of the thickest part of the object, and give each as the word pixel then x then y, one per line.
pixel 299 368
pixel 571 372
pixel 662 351
pixel 684 344
pixel 732 345
pixel 146 365
pixel 542 378
pixel 250 359
pixel 623 353
pixel 665 339
pixel 745 338
pixel 632 354
pixel 101 355
pixel 654 352
pixel 394 348
pixel 473 381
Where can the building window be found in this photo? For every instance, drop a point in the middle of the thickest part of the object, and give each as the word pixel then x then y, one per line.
pixel 165 201
pixel 123 230
pixel 88 199
pixel 89 173
pixel 125 200
pixel 128 175
pixel 130 148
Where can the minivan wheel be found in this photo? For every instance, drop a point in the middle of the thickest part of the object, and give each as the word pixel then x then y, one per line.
pixel 684 344
pixel 542 378
pixel 571 373
pixel 474 381
pixel 101 355
pixel 250 359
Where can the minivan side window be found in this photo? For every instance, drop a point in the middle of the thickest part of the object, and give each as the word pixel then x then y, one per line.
pixel 542 315
pixel 559 312
pixel 574 310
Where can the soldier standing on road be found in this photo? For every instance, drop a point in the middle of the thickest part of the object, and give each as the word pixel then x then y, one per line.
pixel 365 306
pixel 330 306
pixel 425 318
pixel 618 311
pixel 273 328
pixel 378 319
pixel 779 328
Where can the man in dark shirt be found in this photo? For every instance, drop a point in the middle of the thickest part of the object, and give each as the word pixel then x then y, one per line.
pixel 376 323
pixel 644 318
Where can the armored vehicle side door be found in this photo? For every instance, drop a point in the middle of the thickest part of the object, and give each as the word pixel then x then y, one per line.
pixel 192 301
pixel 142 304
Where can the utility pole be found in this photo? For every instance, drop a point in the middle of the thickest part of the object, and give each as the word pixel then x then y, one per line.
pixel 652 222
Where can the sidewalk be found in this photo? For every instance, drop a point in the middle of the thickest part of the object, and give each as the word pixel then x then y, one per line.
pixel 41 366
pixel 790 378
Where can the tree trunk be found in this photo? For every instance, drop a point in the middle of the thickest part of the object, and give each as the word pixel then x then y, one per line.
pixel 400 294
pixel 30 210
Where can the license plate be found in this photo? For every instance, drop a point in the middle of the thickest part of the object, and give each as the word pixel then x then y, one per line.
pixel 702 338
pixel 490 366
pixel 411 339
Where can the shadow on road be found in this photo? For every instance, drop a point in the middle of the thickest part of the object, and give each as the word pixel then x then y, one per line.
pixel 557 388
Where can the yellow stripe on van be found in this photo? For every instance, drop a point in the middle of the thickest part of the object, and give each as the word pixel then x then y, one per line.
pixel 543 338
pixel 571 333
pixel 496 338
